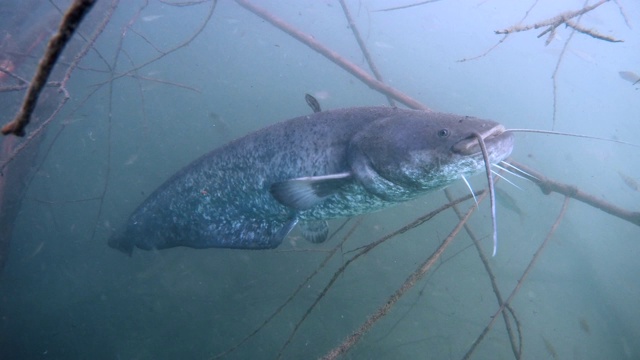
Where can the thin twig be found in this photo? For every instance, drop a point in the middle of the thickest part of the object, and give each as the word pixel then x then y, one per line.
pixel 33 135
pixel 363 48
pixel 364 250
pixel 623 14
pixel 324 262
pixel 407 6
pixel 526 14
pixel 130 72
pixel 143 106
pixel 58 202
pixel 333 56
pixel 89 45
pixel 183 3
pixel 183 44
pixel 11 88
pixel 165 82
pixel 554 76
pixel 20 79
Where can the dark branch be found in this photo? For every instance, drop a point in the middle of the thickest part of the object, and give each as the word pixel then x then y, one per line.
pixel 68 26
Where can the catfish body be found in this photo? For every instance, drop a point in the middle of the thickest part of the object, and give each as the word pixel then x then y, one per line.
pixel 250 193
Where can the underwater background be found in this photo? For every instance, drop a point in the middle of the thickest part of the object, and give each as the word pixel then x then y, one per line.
pixel 168 81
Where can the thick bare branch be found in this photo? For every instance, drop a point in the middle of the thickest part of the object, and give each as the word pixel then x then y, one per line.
pixel 68 26
pixel 565 18
pixel 551 22
pixel 548 186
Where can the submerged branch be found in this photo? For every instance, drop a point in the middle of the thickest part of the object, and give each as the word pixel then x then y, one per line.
pixel 548 186
pixel 57 43
pixel 363 47
pixel 594 34
pixel 553 23
pixel 164 53
pixel 406 286
pixel 324 262
pixel 366 249
pixel 516 346
pixel 352 68
pixel 526 272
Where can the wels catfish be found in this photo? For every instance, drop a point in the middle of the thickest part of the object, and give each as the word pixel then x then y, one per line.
pixel 250 193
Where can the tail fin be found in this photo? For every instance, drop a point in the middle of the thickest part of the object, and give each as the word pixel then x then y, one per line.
pixel 120 241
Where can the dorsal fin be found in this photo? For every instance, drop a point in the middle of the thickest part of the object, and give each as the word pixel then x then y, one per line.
pixel 313 103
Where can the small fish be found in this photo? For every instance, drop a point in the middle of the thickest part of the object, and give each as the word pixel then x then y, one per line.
pixel 630 76
pixel 8 66
pixel 150 18
pixel 322 94
pixel 218 122
pixel 313 103
pixel 71 120
pixel 508 202
pixel 231 21
pixel 550 349
pixel 583 56
pixel 37 250
pixel 584 325
pixel 631 182
pixel 382 45
pixel 131 160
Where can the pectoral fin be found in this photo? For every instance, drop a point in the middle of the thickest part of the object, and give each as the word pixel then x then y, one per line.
pixel 315 231
pixel 286 229
pixel 306 192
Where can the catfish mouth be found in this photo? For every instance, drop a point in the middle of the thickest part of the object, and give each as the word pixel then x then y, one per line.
pixel 496 138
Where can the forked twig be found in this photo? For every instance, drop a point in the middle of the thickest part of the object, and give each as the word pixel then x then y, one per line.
pixel 526 272
pixel 516 346
pixel 324 262
pixel 565 18
pixel 133 72
pixel 68 26
pixel 61 85
pixel 366 249
pixel 407 285
pixel 183 44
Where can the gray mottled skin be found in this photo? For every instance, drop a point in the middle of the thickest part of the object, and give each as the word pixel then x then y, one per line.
pixel 222 199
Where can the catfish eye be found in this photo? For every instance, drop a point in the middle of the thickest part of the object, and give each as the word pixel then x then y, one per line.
pixel 443 133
